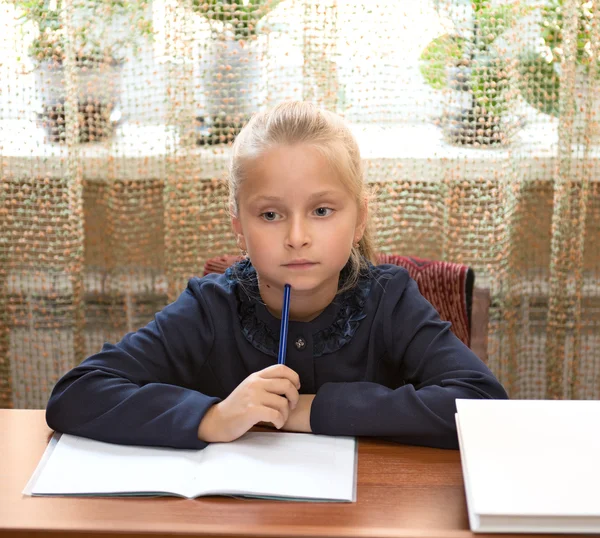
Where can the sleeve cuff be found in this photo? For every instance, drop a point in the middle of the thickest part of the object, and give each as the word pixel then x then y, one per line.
pixel 188 429
pixel 324 412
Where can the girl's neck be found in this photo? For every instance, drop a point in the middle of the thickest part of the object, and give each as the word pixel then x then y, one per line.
pixel 304 306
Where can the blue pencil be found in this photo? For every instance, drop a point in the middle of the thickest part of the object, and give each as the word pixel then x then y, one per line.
pixel 285 314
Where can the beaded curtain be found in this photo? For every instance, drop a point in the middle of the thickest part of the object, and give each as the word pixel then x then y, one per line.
pixel 477 122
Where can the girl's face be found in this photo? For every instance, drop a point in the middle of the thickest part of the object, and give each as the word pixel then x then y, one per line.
pixel 297 220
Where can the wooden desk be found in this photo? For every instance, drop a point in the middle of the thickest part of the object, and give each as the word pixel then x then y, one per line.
pixel 403 491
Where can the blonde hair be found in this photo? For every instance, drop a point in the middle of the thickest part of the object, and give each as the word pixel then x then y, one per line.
pixel 299 122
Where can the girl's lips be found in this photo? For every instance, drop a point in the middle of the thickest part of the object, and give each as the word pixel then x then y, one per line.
pixel 302 265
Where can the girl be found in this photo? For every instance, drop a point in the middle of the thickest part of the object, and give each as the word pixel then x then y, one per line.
pixel 367 354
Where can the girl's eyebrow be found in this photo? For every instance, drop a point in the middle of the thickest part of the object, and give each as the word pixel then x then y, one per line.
pixel 257 199
pixel 322 194
pixel 313 196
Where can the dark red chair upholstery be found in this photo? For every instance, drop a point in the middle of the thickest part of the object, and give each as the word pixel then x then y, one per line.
pixel 447 286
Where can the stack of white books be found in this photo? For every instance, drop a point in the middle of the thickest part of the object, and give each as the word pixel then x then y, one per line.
pixel 531 466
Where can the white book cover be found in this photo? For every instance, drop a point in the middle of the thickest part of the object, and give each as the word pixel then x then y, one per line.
pixel 291 466
pixel 531 465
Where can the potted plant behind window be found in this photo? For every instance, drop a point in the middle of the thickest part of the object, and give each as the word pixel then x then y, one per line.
pixel 103 34
pixel 470 67
pixel 540 68
pixel 230 70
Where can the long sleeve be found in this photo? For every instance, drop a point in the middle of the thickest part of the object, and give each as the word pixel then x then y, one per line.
pixel 136 392
pixel 437 368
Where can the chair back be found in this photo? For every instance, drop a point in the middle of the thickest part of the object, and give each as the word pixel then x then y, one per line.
pixel 447 286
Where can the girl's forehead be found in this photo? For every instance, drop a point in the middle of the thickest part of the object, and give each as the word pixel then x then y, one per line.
pixel 291 166
pixel 292 188
pixel 284 155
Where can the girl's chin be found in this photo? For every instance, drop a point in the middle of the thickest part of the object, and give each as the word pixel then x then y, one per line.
pixel 301 281
pixel 305 286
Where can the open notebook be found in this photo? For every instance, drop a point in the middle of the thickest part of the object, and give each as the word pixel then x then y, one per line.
pixel 531 465
pixel 290 466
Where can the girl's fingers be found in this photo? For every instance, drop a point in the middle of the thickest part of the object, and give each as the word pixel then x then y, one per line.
pixel 283 371
pixel 277 403
pixel 269 417
pixel 283 387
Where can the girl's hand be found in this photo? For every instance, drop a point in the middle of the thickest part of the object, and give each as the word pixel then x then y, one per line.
pixel 264 396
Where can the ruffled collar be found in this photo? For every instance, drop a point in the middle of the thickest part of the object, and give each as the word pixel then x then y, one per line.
pixel 332 328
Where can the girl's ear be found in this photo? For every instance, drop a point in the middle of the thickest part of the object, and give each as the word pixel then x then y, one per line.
pixel 235 224
pixel 239 235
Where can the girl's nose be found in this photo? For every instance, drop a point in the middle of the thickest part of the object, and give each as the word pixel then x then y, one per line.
pixel 298 235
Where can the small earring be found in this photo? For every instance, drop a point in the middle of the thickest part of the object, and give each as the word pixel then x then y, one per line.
pixel 244 252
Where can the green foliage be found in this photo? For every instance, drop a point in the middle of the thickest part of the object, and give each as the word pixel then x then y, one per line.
pixel 539 78
pixel 487 77
pixel 480 69
pixel 240 16
pixel 92 34
pixel 539 83
pixel 442 52
pixel 489 82
pixel 477 46
pixel 552 32
pixel 491 23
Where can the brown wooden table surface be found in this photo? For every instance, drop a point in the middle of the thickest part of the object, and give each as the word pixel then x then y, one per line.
pixel 403 491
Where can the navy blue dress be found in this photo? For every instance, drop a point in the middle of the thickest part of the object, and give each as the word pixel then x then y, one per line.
pixel 378 358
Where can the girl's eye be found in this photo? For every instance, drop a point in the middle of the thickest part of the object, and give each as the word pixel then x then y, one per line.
pixel 323 211
pixel 269 215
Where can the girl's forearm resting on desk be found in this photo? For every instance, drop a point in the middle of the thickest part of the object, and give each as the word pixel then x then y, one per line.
pixel 427 368
pixel 299 418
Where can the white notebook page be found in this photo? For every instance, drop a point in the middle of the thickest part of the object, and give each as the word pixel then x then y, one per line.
pixel 264 464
